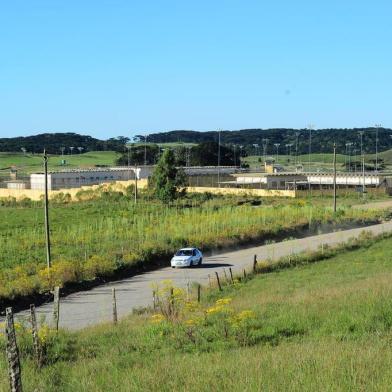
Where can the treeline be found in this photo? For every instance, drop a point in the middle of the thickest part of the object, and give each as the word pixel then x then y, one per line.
pixel 57 143
pixel 322 140
pixel 203 154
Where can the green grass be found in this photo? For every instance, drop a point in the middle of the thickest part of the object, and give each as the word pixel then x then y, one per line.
pixel 98 237
pixel 33 163
pixel 323 326
pixel 321 161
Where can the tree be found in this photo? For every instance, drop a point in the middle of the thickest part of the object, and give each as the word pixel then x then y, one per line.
pixel 138 153
pixel 206 154
pixel 167 182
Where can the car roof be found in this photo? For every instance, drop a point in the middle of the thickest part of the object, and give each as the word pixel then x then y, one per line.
pixel 187 248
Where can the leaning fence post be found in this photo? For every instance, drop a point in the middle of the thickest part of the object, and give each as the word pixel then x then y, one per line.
pixel 34 333
pixel 231 275
pixel 254 263
pixel 14 370
pixel 114 306
pixel 56 308
pixel 218 281
pixel 198 292
pixel 171 301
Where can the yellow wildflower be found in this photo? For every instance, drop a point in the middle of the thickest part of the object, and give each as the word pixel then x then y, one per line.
pixel 223 301
pixel 157 318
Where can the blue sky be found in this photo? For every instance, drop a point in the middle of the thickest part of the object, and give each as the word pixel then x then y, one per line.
pixel 109 68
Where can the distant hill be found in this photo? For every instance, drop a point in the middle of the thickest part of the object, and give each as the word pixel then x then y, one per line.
pixel 322 139
pixel 55 142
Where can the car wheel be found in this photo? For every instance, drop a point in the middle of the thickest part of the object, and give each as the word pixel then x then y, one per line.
pixel 200 261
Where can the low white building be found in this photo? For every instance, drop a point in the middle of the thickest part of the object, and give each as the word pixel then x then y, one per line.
pixel 84 177
pixel 79 178
pixel 286 180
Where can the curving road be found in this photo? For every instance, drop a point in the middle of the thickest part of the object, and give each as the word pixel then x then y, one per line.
pixel 86 308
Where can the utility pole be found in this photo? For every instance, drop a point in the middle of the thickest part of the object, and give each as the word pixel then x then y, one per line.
pixel 219 138
pixel 136 184
pixel 377 128
pixel 363 164
pixel 296 147
pixel 310 127
pixel 277 151
pixel 265 143
pixel 46 203
pixel 129 161
pixel 145 150
pixel 334 177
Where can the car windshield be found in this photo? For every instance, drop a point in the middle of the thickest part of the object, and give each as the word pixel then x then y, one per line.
pixel 184 252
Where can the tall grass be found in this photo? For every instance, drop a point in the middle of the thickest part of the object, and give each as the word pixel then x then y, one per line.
pixel 325 326
pixel 97 237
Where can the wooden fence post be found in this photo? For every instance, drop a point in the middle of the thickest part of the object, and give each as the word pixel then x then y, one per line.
pixel 254 263
pixel 198 292
pixel 114 306
pixel 244 273
pixel 231 275
pixel 218 281
pixel 14 370
pixel 56 308
pixel 154 300
pixel 171 301
pixel 34 333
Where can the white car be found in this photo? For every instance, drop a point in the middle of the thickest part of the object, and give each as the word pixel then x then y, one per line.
pixel 187 257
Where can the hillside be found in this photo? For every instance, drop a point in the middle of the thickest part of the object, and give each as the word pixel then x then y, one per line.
pixel 322 139
pixel 55 142
pixel 28 163
pixel 318 325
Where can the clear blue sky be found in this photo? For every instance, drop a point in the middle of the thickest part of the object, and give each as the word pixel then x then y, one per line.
pixel 109 68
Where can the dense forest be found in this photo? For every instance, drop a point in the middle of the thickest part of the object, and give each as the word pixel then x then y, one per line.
pixel 203 154
pixel 321 139
pixel 56 143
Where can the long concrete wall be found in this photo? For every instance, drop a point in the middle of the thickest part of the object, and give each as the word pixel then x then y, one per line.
pixel 37 194
pixel 239 191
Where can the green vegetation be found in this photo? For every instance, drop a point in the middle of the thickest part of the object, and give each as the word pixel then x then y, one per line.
pixel 324 161
pixel 322 139
pixel 318 326
pixel 108 232
pixel 203 154
pixel 28 163
pixel 56 142
pixel 167 182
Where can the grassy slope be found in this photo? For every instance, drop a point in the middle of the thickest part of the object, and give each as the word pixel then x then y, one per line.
pixel 32 163
pixel 324 326
pixel 319 160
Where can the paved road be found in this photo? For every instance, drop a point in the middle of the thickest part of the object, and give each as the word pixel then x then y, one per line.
pixel 86 308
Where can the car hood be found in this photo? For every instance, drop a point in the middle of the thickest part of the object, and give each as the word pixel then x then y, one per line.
pixel 181 258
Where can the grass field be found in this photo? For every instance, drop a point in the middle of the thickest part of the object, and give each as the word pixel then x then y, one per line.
pixel 324 326
pixel 33 163
pixel 110 233
pixel 318 161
